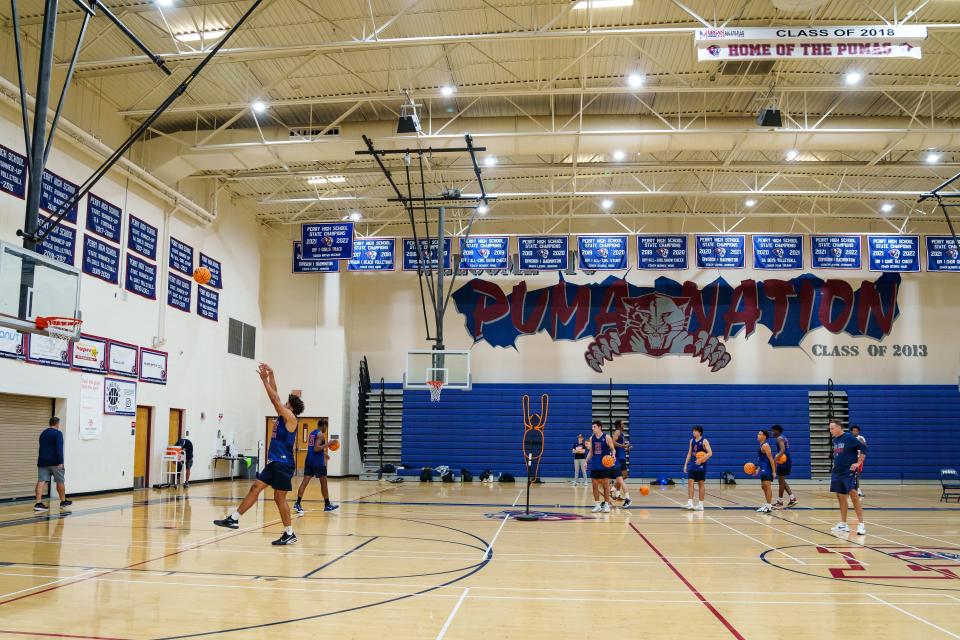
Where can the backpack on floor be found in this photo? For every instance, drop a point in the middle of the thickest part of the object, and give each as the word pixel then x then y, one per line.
pixel 506 477
pixel 485 475
pixel 728 478
pixel 426 475
pixel 465 475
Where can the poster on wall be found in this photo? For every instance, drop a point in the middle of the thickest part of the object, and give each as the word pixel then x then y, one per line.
pixel 142 238
pixel 153 366
pixel 428 249
pixel 91 406
pixel 721 251
pixel 121 358
pixel 543 253
pixel 179 292
pixel 47 350
pixel 311 266
pixel 54 193
pixel 103 218
pixel 181 257
pixel 602 252
pixel 100 259
pixel 777 252
pixel 327 240
pixel 485 252
pixel 216 273
pixel 89 354
pixel 141 277
pixel 11 343
pixel 60 244
pixel 661 252
pixel 373 254
pixel 943 253
pixel 13 172
pixel 894 253
pixel 119 397
pixel 835 251
pixel 208 303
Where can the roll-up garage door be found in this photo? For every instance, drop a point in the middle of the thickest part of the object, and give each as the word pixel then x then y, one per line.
pixel 22 418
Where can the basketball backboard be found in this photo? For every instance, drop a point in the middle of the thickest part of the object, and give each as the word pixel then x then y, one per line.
pixel 33 285
pixel 450 367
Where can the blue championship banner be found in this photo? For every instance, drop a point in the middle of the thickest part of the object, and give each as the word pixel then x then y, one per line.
pixel 13 172
pixel 544 253
pixel 721 251
pixel 100 259
pixel 103 218
pixel 943 253
pixel 327 240
pixel 181 257
pixel 835 252
pixel 179 292
pixel 411 257
pixel 484 252
pixel 54 193
pixel 216 277
pixel 894 252
pixel 373 254
pixel 208 304
pixel 60 244
pixel 777 252
pixel 142 238
pixel 661 252
pixel 312 266
pixel 141 277
pixel 602 252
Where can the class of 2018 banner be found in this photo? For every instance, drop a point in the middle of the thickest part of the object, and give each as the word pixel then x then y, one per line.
pixel 673 318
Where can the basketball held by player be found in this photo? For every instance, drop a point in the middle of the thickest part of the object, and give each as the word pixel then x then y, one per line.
pixel 601 451
pixel 784 460
pixel 622 467
pixel 315 466
pixel 695 466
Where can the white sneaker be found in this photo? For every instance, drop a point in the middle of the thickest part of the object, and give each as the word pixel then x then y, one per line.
pixel 764 508
pixel 689 505
pixel 859 493
pixel 840 527
pixel 606 508
pixel 861 529
pixel 596 508
pixel 699 507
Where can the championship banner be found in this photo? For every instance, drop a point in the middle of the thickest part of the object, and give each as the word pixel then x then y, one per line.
pixel 721 251
pixel 153 366
pixel 54 193
pixel 142 238
pixel 327 240
pixel 179 291
pixel 11 343
pixel 214 267
pixel 837 42
pixel 89 354
pixel 429 250
pixel 662 252
pixel 181 257
pixel 835 251
pixel 311 266
pixel 60 244
pixel 943 253
pixel 894 253
pixel 544 253
pixel 777 252
pixel 103 218
pixel 484 252
pixel 100 259
pixel 602 252
pixel 121 358
pixel 119 397
pixel 208 304
pixel 141 277
pixel 373 254
pixel 13 172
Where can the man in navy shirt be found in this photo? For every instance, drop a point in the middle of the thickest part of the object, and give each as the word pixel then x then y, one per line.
pixel 50 464
pixel 848 454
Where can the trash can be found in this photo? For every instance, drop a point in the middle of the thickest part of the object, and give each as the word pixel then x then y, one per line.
pixel 249 466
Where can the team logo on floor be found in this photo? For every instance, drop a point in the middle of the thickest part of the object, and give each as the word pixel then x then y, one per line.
pixel 678 319
pixel 550 516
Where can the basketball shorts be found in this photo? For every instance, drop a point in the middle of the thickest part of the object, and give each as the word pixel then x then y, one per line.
pixel 279 476
pixel 45 473
pixel 783 470
pixel 697 475
pixel 624 466
pixel 314 470
pixel 604 474
pixel 766 477
pixel 189 464
pixel 843 483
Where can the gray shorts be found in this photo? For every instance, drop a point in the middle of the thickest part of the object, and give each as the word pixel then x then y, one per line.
pixel 45 473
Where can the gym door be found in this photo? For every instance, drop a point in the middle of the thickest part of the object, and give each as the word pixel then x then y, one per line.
pixel 141 449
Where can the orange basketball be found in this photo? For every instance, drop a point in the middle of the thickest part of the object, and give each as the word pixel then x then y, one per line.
pixel 644 490
pixel 334 445
pixel 749 468
pixel 701 456
pixel 781 458
pixel 607 461
pixel 202 275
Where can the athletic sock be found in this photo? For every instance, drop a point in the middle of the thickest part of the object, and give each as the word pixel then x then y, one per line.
pixel 326 502
pixel 235 515
pixel 626 496
pixel 596 504
pixel 791 497
pixel 288 531
pixel 299 498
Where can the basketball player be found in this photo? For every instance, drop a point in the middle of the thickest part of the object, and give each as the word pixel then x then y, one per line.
pixel 600 445
pixel 280 461
pixel 622 467
pixel 698 471
pixel 855 430
pixel 783 470
pixel 766 469
pixel 315 466
pixel 848 454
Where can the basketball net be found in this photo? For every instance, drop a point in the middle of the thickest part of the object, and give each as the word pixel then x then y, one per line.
pixel 436 386
pixel 62 328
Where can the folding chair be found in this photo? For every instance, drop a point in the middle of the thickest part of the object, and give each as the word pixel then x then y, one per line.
pixel 950 485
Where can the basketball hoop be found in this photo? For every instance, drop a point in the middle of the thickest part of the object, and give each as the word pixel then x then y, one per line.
pixel 62 328
pixel 436 386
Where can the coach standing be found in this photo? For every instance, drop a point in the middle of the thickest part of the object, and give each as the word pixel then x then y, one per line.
pixel 50 464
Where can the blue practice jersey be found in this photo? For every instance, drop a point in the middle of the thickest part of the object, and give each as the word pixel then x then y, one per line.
pixel 786 450
pixel 316 458
pixel 621 452
pixel 696 446
pixel 763 462
pixel 281 443
pixel 846 452
pixel 598 449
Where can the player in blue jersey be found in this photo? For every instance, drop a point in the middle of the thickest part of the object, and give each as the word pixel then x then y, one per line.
pixel 620 490
pixel 600 445
pixel 848 454
pixel 695 466
pixel 766 470
pixel 280 460
pixel 783 468
pixel 315 466
pixel 855 430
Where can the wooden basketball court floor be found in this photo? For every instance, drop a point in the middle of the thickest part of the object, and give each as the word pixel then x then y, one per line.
pixel 439 561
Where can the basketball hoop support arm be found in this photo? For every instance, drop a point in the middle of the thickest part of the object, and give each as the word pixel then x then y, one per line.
pixel 944 200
